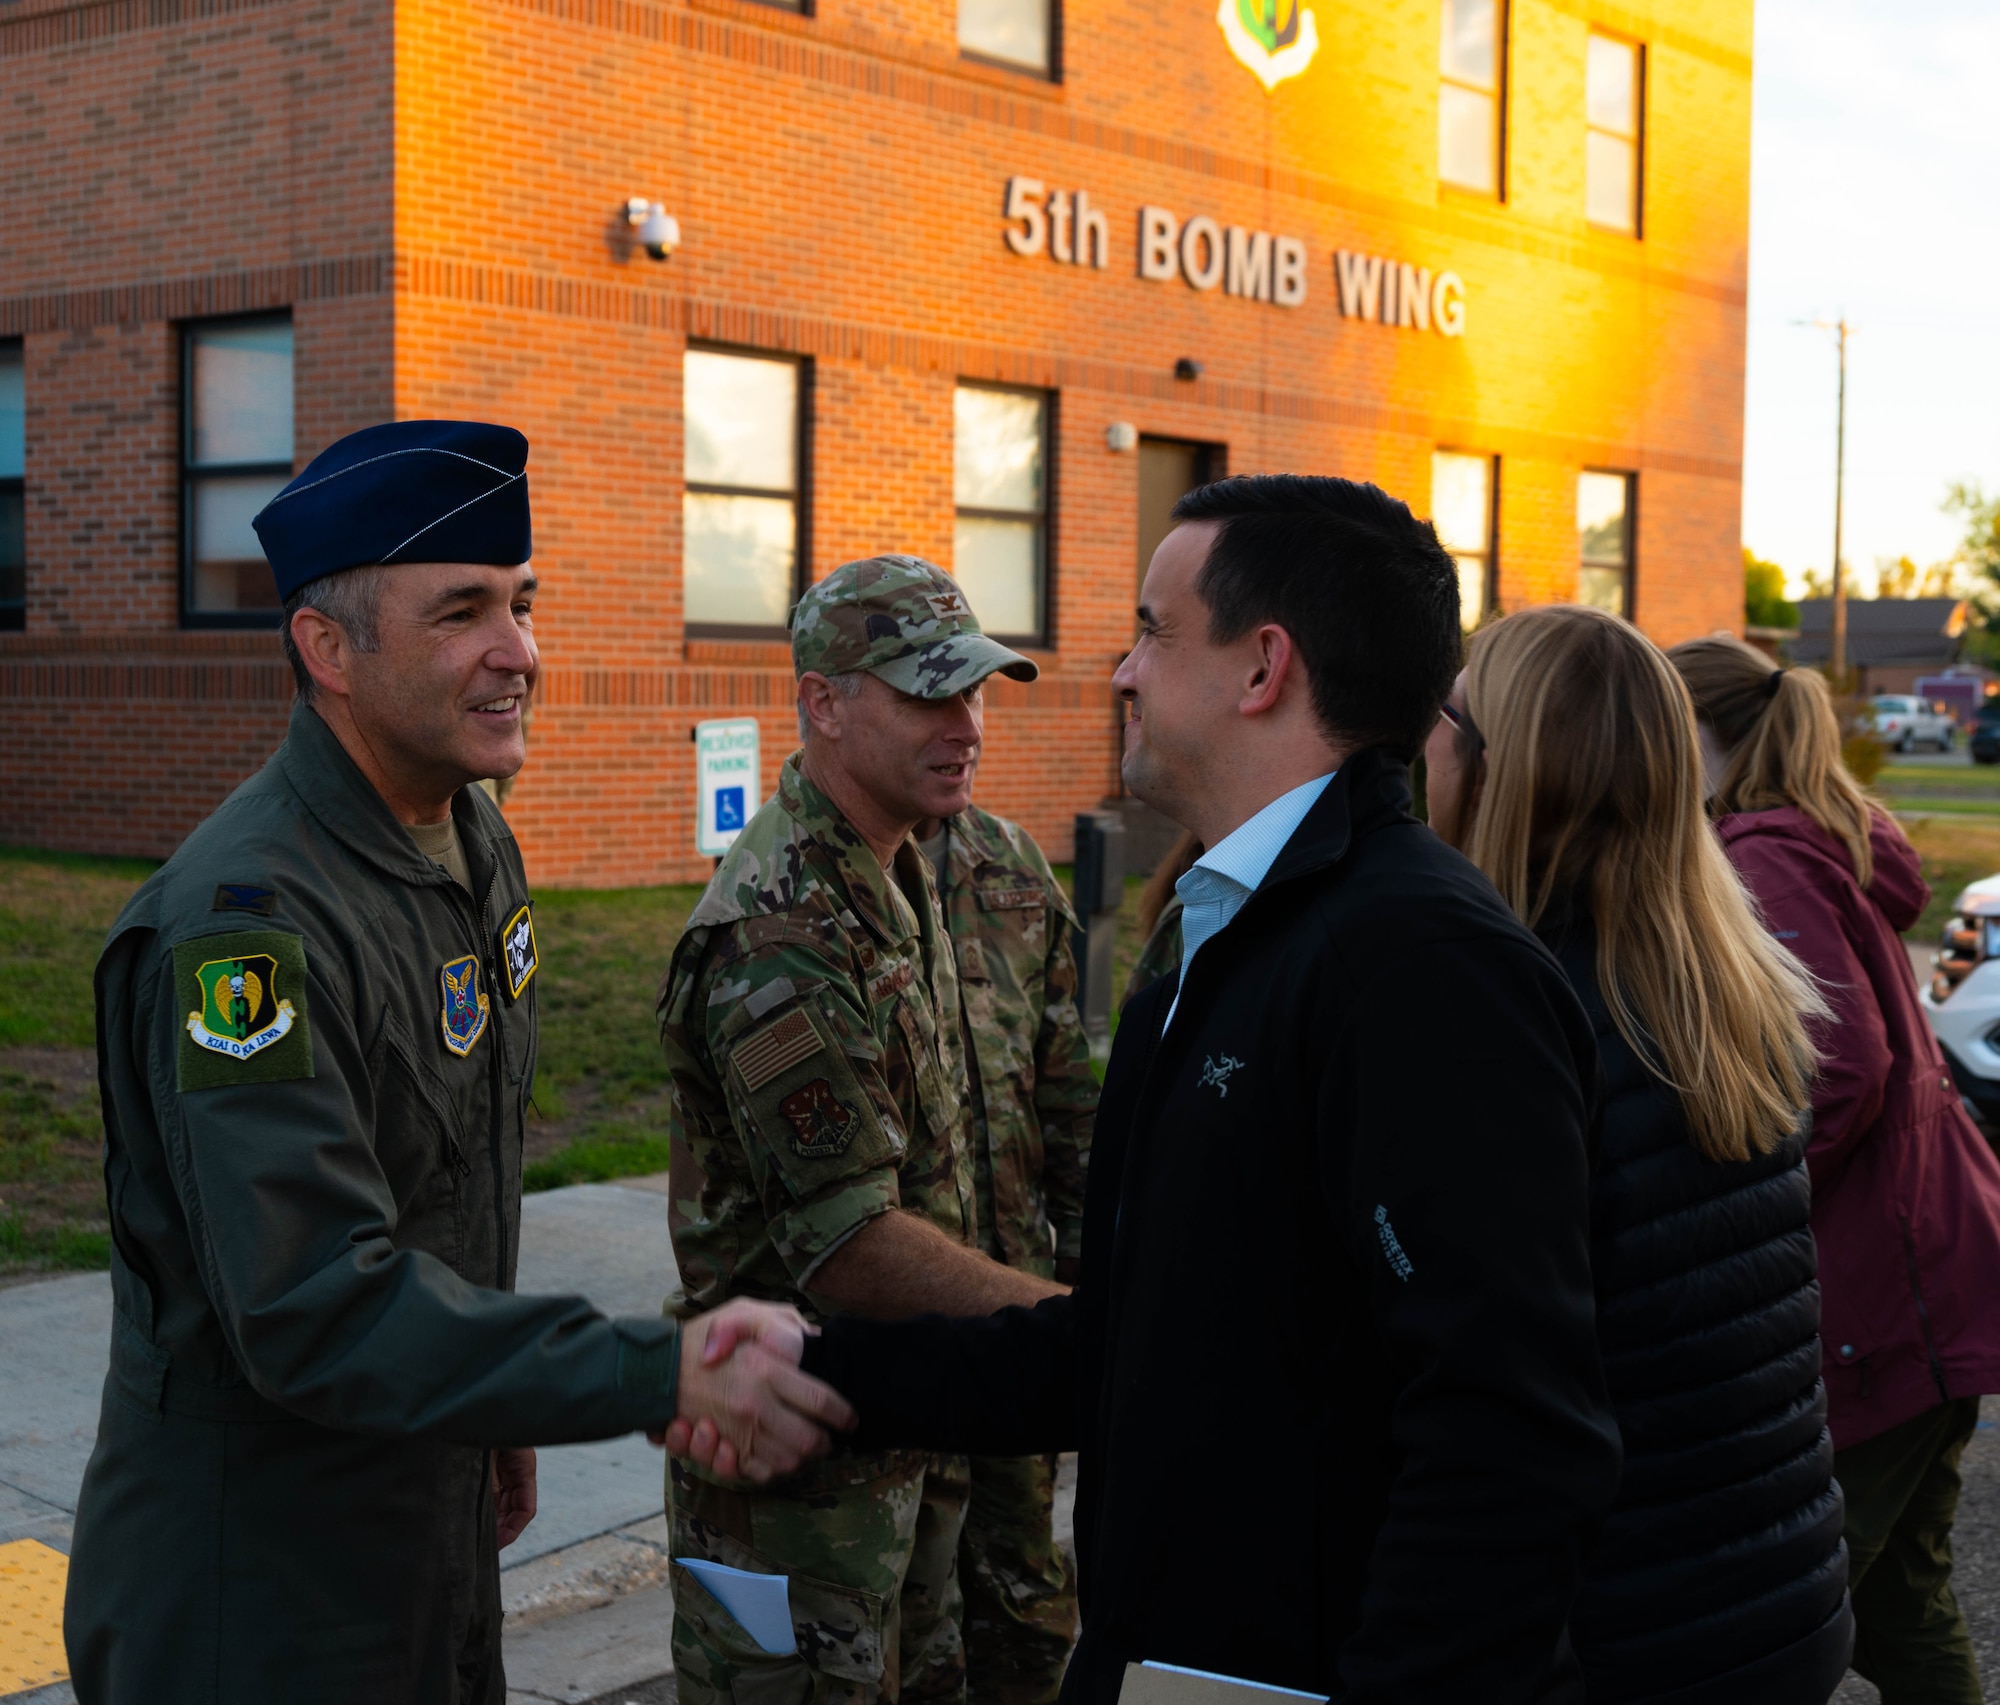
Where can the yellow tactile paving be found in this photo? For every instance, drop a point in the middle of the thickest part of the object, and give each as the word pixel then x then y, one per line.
pixel 32 1578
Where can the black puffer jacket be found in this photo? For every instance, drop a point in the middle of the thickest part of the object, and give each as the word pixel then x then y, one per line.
pixel 1720 1575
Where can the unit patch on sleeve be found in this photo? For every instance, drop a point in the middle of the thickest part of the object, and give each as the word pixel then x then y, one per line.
pixel 822 1124
pixel 244 997
pixel 465 1004
pixel 517 952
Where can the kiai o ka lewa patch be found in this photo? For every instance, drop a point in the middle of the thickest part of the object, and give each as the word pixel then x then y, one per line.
pixel 244 1000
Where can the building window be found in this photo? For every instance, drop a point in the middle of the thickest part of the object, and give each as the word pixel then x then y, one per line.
pixel 1001 541
pixel 1614 107
pixel 236 455
pixel 741 516
pixel 1604 515
pixel 1471 59
pixel 1463 490
pixel 1018 33
pixel 13 500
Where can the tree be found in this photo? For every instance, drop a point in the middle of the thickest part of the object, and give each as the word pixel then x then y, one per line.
pixel 1764 604
pixel 1899 577
pixel 1977 559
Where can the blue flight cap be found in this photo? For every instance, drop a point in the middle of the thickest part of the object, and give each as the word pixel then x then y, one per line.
pixel 408 491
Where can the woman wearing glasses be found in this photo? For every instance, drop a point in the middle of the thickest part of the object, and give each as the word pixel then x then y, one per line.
pixel 1566 768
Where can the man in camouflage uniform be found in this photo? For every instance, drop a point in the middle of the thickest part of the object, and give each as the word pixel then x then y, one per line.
pixel 1033 1100
pixel 821 1151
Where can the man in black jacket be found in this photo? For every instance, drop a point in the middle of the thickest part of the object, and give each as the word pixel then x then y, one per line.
pixel 1337 1223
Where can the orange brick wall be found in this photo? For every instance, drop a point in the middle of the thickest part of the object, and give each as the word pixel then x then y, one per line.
pixel 434 188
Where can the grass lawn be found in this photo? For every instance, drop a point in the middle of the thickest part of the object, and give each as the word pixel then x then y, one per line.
pixel 54 910
pixel 600 1089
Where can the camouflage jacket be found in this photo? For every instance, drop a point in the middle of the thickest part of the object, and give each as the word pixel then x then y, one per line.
pixel 1034 1095
pixel 811 1027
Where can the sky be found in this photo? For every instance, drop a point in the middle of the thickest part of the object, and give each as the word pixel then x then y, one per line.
pixel 1875 161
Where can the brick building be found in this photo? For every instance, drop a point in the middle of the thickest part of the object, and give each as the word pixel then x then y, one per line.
pixel 989 280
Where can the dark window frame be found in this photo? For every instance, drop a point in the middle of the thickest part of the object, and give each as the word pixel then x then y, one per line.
pixel 1628 539
pixel 801 493
pixel 191 473
pixel 1044 639
pixel 1489 580
pixel 1503 73
pixel 1053 73
pixel 14 611
pixel 1641 74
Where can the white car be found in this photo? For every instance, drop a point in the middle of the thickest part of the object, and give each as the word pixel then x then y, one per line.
pixel 1904 721
pixel 1963 999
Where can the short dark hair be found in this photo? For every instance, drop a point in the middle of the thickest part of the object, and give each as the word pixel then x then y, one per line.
pixel 1367 593
pixel 350 596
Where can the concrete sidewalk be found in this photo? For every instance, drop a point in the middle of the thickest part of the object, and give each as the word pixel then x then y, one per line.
pixel 584 1587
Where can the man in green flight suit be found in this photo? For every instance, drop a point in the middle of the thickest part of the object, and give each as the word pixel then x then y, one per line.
pixel 1033 1099
pixel 821 1150
pixel 316 1050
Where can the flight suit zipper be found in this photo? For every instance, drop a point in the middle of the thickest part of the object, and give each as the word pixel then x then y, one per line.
pixel 497 1072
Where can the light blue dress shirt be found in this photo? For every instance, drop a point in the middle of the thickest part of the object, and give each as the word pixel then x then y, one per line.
pixel 1225 876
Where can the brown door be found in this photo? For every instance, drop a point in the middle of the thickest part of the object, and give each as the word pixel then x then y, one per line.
pixel 1167 468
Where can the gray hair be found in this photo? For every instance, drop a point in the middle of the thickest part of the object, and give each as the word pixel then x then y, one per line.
pixel 847 686
pixel 350 597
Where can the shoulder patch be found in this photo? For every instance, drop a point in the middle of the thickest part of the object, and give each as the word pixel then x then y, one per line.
pixel 244 897
pixel 244 996
pixel 780 1045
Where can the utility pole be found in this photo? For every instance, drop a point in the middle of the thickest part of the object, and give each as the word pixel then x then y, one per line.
pixel 1841 329
pixel 1837 649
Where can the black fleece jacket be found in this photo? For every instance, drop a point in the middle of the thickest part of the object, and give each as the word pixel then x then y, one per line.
pixel 1332 1367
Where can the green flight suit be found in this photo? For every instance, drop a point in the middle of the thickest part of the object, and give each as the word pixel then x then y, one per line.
pixel 315 1050
pixel 1034 1100
pixel 810 1022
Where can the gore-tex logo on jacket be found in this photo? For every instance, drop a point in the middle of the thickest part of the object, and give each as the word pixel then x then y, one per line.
pixel 1215 1073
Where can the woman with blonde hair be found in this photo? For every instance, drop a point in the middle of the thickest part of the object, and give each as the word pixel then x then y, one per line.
pixel 1906 1193
pixel 1566 768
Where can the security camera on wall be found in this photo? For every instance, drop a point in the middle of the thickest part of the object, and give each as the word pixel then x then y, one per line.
pixel 658 231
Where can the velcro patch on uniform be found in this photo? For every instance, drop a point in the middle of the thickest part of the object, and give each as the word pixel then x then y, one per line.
pixel 892 981
pixel 244 897
pixel 244 1000
pixel 822 1124
pixel 776 1048
pixel 946 606
pixel 1011 899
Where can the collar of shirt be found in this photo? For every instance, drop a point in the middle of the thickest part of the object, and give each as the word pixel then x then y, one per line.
pixel 1225 876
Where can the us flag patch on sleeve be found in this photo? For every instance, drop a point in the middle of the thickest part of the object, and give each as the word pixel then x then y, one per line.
pixel 776 1048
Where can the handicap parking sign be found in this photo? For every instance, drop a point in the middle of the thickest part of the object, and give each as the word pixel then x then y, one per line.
pixel 727 785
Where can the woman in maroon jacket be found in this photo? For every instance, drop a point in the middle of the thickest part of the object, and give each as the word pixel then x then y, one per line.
pixel 1906 1193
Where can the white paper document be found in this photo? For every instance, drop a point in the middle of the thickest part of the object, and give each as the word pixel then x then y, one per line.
pixel 761 1603
pixel 1169 1684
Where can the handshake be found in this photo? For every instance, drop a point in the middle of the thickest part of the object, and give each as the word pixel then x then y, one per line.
pixel 743 1410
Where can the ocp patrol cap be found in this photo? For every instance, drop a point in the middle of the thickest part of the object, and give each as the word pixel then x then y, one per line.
pixel 902 620
pixel 405 491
